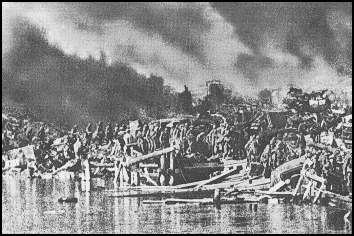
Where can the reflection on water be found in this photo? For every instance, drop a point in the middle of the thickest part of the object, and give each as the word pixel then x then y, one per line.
pixel 30 206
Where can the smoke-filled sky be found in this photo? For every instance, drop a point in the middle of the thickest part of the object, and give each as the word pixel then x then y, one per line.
pixel 249 46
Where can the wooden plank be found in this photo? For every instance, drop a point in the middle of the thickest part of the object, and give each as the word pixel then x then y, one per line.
pixel 271 193
pixel 146 175
pixel 314 177
pixel 150 155
pixel 151 165
pixel 97 164
pixel 279 185
pixel 227 184
pixel 188 184
pixel 66 166
pixel 140 188
pixel 218 177
pixel 136 153
pixel 335 195
pixel 181 200
pixel 318 194
pixel 153 201
pixel 157 192
pixel 298 185
pixel 258 184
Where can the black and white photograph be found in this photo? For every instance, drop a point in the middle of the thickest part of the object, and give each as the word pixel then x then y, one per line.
pixel 176 118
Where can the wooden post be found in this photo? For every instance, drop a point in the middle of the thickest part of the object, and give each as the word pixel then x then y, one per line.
pixel 125 175
pixel 308 190
pixel 323 186
pixel 121 179
pixel 135 178
pixel 172 161
pixel 86 176
pixel 217 196
pixel 299 182
pixel 162 179
pixel 138 178
pixel 162 161
pixel 117 169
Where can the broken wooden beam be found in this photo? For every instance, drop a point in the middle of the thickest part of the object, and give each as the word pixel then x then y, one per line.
pixel 150 165
pixel 146 175
pixel 276 194
pixel 314 177
pixel 97 164
pixel 218 177
pixel 150 155
pixel 158 192
pixel 279 185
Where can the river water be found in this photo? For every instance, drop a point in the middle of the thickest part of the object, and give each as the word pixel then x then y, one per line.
pixel 31 206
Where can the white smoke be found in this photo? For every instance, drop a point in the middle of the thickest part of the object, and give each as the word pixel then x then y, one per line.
pixel 124 40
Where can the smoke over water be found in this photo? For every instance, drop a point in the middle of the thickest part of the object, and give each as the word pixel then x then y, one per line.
pixel 249 46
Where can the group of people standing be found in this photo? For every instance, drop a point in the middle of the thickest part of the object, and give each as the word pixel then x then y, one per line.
pixel 335 166
pixel 202 142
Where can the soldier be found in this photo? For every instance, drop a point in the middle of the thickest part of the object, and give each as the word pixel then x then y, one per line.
pixel 347 172
pixel 29 133
pixel 99 133
pixel 265 160
pixel 302 142
pixel 5 141
pixel 227 149
pixel 149 138
pixel 192 145
pixel 120 137
pixel 88 134
pixel 41 134
pixel 326 169
pixel 174 133
pixel 69 148
pixel 164 138
pixel 254 149
pixel 145 130
pixel 115 131
pixel 315 132
pixel 189 130
pixel 302 127
pixel 157 134
pixel 212 138
pixel 142 143
pixel 117 147
pixel 74 131
pixel 128 139
pixel 109 133
pixel 248 148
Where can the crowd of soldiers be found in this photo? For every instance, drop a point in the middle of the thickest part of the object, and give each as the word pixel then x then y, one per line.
pixel 335 166
pixel 211 142
pixel 18 133
pixel 53 149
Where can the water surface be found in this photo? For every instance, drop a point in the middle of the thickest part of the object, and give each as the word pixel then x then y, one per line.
pixel 31 206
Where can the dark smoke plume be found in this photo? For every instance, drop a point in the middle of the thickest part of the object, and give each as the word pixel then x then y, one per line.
pixel 66 89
